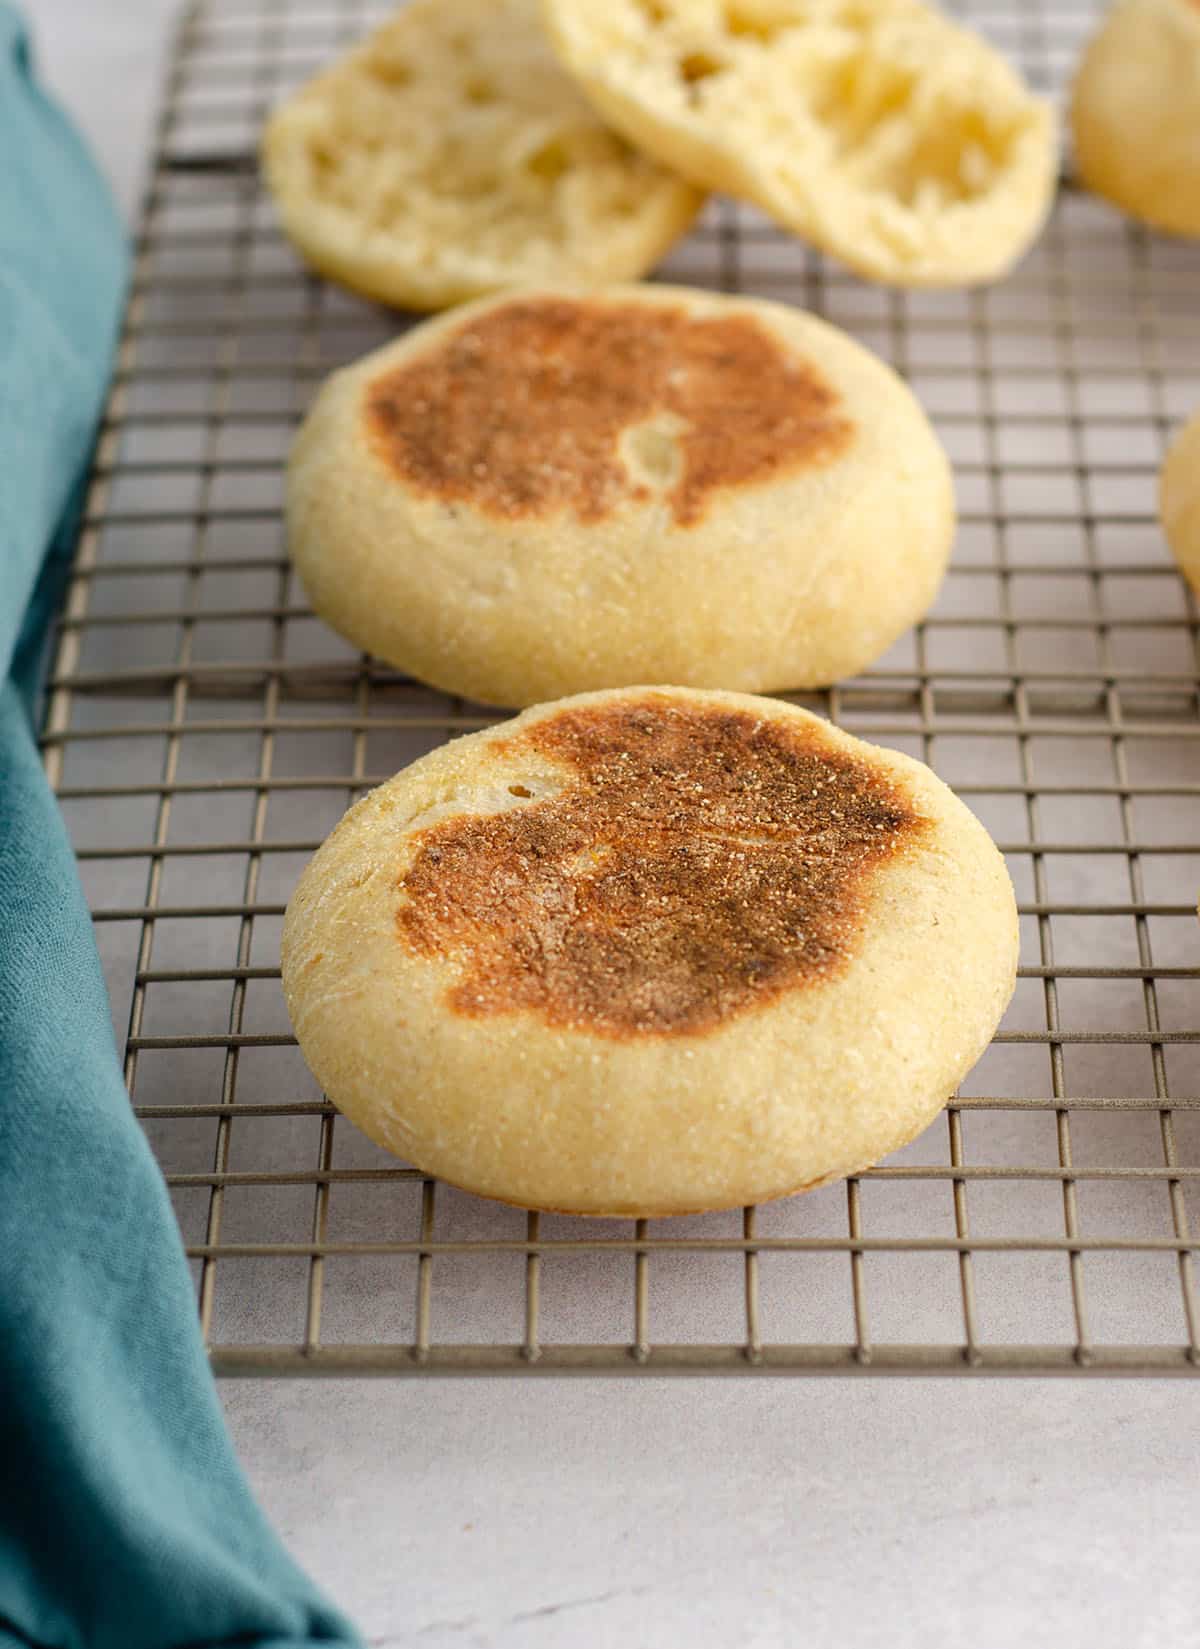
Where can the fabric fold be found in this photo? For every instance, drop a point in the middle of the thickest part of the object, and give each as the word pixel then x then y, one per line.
pixel 125 1520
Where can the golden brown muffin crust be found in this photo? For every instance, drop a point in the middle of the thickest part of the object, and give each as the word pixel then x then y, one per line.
pixel 552 404
pixel 696 863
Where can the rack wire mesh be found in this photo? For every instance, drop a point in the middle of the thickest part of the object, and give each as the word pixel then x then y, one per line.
pixel 204 732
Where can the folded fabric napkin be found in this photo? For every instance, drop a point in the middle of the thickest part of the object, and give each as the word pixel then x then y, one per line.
pixel 125 1522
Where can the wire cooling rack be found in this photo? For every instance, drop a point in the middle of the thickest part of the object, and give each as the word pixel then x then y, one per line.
pixel 204 732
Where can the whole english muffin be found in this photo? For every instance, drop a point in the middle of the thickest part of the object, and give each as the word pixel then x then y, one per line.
pixel 1135 112
pixel 650 952
pixel 450 155
pixel 551 491
pixel 1179 500
pixel 877 129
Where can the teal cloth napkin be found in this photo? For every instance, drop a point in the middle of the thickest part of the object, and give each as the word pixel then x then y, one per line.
pixel 125 1522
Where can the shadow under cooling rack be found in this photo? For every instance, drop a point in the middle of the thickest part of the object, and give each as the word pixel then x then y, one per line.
pixel 205 731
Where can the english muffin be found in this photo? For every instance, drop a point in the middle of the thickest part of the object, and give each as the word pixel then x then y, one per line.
pixel 1179 500
pixel 449 156
pixel 877 129
pixel 650 952
pixel 1136 112
pixel 551 491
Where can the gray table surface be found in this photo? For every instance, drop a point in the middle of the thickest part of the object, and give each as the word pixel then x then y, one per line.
pixel 588 1514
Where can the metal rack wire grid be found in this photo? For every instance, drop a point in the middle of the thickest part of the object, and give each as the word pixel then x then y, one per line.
pixel 204 732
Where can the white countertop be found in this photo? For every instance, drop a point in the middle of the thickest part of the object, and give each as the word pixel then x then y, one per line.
pixel 533 1515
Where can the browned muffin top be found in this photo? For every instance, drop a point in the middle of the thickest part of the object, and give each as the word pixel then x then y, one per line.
pixel 697 862
pixel 545 405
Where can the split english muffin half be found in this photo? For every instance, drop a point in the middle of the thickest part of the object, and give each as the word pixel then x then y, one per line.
pixel 449 155
pixel 878 130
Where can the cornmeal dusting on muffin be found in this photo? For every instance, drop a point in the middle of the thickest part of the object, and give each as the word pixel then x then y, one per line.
pixel 521 411
pixel 700 863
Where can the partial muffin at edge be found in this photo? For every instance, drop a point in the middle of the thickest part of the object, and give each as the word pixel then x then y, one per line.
pixel 1135 112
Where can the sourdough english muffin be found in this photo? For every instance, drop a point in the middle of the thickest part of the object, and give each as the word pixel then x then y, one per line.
pixel 450 155
pixel 1136 112
pixel 650 952
pixel 549 492
pixel 877 129
pixel 1179 500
